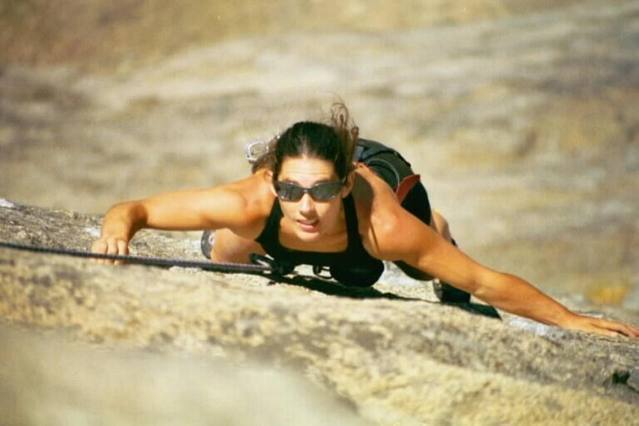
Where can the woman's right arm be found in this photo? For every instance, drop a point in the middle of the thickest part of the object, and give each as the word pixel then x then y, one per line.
pixel 219 207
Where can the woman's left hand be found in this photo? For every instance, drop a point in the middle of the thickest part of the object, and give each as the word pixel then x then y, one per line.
pixel 600 326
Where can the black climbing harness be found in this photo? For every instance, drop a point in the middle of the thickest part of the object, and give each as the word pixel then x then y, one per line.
pixel 262 265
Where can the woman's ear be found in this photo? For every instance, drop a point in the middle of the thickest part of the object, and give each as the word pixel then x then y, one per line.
pixel 348 184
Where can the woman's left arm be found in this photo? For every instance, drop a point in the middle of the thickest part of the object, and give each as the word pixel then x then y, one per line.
pixel 421 247
pixel 515 295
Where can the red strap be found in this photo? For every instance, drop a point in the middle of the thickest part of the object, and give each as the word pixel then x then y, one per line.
pixel 405 186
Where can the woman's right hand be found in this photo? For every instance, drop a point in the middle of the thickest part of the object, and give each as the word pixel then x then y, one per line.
pixel 110 245
pixel 119 225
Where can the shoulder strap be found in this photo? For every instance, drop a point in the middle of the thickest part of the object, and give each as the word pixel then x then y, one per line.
pixel 269 237
pixel 367 152
pixel 365 148
pixel 352 227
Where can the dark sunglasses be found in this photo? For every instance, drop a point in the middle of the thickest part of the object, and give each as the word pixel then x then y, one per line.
pixel 287 191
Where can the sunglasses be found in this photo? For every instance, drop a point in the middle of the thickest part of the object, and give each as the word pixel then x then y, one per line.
pixel 287 191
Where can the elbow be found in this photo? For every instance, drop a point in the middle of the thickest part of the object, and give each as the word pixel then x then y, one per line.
pixel 484 285
pixel 480 292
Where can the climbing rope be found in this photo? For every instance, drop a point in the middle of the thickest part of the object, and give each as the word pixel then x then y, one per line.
pixel 261 264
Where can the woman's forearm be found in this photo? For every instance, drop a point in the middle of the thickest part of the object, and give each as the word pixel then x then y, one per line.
pixel 515 295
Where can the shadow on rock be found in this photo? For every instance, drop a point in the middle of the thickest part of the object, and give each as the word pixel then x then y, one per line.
pixel 333 288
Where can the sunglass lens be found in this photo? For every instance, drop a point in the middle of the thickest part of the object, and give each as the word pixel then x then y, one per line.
pixel 289 191
pixel 325 191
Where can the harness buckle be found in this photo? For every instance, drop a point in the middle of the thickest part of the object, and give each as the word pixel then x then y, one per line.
pixel 278 267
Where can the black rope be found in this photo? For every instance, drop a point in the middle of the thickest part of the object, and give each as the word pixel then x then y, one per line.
pixel 246 268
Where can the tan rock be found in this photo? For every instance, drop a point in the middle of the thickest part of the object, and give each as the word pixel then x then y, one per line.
pixel 396 358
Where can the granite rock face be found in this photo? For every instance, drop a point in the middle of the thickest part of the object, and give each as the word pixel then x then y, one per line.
pixel 385 355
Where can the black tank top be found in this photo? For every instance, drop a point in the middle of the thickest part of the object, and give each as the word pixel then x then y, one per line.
pixel 353 266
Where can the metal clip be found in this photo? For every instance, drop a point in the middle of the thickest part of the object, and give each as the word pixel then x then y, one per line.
pixel 254 150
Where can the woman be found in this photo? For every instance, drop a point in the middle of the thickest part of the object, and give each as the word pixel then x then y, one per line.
pixel 307 202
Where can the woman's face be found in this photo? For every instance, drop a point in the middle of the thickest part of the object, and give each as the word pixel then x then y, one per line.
pixel 310 218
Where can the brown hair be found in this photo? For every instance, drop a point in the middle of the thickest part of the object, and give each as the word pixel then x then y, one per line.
pixel 334 142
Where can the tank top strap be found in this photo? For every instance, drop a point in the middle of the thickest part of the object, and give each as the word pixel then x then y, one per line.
pixel 269 237
pixel 352 227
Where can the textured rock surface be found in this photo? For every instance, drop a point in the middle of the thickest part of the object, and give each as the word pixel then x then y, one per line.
pixel 394 353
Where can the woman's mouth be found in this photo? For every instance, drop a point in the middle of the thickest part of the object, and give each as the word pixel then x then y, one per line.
pixel 308 225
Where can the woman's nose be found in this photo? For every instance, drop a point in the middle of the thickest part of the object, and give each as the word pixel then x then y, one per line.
pixel 306 204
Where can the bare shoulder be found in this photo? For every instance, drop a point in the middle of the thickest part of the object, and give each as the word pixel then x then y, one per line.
pixel 381 218
pixel 241 206
pixel 253 192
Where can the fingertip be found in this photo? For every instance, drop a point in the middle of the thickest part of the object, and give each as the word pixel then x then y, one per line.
pixel 98 246
pixel 122 246
pixel 123 250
